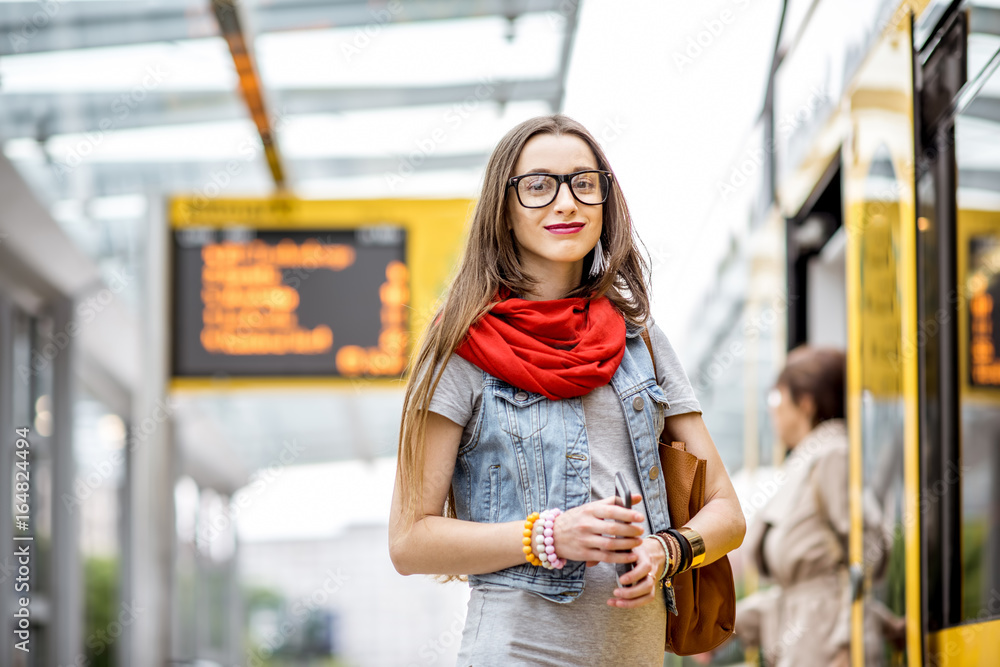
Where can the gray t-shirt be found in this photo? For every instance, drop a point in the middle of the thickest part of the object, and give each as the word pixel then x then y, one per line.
pixel 507 626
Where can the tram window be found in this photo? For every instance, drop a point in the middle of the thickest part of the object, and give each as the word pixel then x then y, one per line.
pixel 977 149
pixel 882 408
pixel 983 42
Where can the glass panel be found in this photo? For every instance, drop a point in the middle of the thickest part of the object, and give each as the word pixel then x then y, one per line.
pixel 983 40
pixel 196 64
pixel 977 150
pixel 526 48
pixel 66 116
pixel 882 407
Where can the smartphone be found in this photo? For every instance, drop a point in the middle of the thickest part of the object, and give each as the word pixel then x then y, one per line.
pixel 623 498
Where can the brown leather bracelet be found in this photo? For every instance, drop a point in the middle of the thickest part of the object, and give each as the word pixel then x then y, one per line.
pixel 673 554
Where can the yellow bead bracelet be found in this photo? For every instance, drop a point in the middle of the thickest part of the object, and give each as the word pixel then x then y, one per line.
pixel 529 524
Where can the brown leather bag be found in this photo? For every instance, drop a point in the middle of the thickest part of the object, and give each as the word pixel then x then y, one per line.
pixel 705 596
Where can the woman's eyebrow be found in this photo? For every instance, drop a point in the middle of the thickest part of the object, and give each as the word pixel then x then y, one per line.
pixel 544 170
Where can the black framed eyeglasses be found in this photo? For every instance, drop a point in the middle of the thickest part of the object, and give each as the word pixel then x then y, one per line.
pixel 538 190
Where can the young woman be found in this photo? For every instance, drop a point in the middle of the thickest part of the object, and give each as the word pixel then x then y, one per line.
pixel 798 541
pixel 541 389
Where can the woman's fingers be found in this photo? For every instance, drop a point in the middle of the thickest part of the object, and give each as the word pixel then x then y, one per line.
pixel 615 528
pixel 619 555
pixel 637 586
pixel 610 500
pixel 634 576
pixel 642 592
pixel 605 508
pixel 607 550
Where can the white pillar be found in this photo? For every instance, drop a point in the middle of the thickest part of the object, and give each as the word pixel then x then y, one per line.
pixel 151 522
pixel 7 561
pixel 67 581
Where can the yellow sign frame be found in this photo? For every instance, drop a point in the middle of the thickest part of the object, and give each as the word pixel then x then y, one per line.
pixel 435 232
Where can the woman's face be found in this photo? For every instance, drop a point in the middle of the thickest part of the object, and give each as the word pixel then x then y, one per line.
pixel 561 234
pixel 791 422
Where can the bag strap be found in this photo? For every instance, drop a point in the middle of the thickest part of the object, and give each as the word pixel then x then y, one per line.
pixel 656 377
pixel 649 346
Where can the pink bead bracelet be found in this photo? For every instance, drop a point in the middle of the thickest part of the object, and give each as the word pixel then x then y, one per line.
pixel 545 544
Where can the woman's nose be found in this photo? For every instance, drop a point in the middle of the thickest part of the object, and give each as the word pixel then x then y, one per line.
pixel 565 201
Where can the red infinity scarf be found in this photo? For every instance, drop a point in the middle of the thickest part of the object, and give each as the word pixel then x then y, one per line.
pixel 562 348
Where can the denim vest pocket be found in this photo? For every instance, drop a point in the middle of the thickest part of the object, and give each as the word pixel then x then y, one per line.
pixel 649 399
pixel 520 413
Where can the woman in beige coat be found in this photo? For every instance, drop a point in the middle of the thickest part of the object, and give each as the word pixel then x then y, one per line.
pixel 798 540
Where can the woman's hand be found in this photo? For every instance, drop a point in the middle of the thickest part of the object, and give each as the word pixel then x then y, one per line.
pixel 580 532
pixel 643 577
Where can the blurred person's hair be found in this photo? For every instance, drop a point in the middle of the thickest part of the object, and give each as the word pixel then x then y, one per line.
pixel 490 262
pixel 821 373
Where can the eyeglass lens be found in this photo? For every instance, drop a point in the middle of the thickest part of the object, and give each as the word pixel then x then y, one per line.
pixel 536 190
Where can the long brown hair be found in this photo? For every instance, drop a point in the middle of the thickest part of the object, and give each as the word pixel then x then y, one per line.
pixel 490 262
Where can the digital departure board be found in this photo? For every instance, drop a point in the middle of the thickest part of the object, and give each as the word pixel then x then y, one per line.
pixel 297 302
pixel 279 291
pixel 984 311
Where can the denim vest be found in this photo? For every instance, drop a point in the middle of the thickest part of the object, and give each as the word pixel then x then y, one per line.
pixel 528 453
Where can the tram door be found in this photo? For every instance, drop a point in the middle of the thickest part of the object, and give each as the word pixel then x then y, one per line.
pixel 977 155
pixel 882 355
pixel 959 298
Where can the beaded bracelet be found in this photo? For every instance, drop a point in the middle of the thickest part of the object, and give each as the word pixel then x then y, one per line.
pixel 668 561
pixel 538 542
pixel 529 524
pixel 545 541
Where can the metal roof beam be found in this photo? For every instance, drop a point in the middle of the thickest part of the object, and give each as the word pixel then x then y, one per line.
pixel 229 13
pixel 105 179
pixel 42 115
pixel 56 25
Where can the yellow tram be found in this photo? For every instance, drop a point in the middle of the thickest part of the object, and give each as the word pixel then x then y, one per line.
pixel 882 135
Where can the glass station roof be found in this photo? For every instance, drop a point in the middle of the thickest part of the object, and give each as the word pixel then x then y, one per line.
pixel 107 107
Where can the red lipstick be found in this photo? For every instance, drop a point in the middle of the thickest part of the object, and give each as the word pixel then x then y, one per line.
pixel 565 227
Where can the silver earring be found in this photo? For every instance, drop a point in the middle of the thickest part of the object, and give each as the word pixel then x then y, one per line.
pixel 600 261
